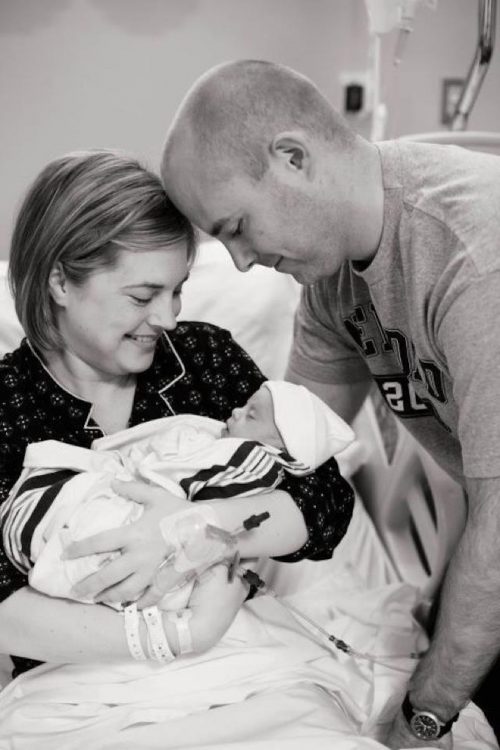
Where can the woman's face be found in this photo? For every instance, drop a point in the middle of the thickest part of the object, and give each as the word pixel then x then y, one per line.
pixel 111 323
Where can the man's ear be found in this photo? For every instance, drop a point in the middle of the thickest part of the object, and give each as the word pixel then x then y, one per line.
pixel 57 285
pixel 292 151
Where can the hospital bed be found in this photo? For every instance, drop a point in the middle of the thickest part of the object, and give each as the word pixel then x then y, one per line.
pixel 407 518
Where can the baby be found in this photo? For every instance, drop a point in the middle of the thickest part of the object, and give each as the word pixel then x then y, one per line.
pixel 282 427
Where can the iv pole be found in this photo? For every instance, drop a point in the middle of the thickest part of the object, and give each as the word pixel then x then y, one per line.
pixel 479 66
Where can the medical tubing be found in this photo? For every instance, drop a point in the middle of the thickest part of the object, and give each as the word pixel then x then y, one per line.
pixel 253 579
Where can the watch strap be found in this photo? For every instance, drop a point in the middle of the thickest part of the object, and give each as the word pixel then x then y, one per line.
pixel 409 712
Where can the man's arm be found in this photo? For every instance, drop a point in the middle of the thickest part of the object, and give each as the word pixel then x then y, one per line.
pixel 467 636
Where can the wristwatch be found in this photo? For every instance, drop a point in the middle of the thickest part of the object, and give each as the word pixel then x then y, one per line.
pixel 425 725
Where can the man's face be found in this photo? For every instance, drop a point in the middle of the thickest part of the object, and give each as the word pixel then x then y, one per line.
pixel 273 222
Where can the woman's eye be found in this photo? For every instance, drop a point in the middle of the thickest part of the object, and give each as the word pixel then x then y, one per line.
pixel 178 292
pixel 140 300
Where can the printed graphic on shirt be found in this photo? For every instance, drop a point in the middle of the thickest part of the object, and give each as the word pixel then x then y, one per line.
pixel 393 346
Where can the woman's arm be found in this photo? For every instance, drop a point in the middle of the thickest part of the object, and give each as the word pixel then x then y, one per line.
pixel 36 626
pixel 214 604
pixel 284 535
pixel 143 547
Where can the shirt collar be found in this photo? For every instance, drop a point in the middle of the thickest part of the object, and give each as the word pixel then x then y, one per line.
pixel 166 370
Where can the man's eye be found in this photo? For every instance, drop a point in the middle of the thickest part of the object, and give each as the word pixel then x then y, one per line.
pixel 239 228
pixel 178 292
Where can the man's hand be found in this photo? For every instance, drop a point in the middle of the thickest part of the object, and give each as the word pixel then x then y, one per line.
pixel 142 546
pixel 400 736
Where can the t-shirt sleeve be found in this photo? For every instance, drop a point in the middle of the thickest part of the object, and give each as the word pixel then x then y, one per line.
pixel 324 497
pixel 470 340
pixel 322 350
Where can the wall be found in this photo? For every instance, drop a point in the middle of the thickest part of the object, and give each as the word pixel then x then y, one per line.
pixel 80 73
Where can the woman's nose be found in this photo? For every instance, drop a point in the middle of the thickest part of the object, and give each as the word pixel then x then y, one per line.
pixel 163 316
pixel 236 412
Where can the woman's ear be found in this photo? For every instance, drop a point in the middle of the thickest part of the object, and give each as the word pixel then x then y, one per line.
pixel 292 152
pixel 57 285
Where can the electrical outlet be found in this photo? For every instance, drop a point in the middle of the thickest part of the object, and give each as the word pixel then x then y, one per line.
pixel 450 95
pixel 357 92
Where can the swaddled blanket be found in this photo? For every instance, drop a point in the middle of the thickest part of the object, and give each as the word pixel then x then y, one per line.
pixel 64 492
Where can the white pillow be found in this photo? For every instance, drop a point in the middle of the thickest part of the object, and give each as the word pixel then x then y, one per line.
pixel 11 332
pixel 257 306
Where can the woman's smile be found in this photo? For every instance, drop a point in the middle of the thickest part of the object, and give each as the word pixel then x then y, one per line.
pixel 144 340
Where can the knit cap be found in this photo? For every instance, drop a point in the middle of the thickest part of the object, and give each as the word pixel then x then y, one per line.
pixel 311 431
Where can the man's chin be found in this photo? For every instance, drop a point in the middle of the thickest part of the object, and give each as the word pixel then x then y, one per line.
pixel 303 276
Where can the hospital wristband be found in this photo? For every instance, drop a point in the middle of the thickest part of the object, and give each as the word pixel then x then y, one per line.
pixel 181 621
pixel 157 640
pixel 132 633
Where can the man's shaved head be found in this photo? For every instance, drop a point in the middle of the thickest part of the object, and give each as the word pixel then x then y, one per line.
pixel 233 112
pixel 257 157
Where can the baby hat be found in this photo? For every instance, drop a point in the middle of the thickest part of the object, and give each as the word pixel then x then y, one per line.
pixel 311 431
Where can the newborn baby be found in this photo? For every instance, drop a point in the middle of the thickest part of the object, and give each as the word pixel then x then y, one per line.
pixel 282 427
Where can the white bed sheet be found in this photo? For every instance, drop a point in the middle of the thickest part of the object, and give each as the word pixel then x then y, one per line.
pixel 268 684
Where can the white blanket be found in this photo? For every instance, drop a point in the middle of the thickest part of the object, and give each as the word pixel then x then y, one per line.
pixel 185 454
pixel 268 685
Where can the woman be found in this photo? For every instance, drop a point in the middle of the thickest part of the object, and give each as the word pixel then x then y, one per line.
pixel 98 259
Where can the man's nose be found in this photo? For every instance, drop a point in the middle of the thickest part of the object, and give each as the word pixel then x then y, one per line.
pixel 236 412
pixel 243 259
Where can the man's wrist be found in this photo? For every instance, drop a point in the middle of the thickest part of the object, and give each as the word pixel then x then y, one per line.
pixel 442 705
pixel 424 721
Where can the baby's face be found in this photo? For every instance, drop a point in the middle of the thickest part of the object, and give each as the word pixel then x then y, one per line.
pixel 255 421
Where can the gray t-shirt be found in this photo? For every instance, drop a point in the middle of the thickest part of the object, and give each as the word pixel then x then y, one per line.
pixel 423 319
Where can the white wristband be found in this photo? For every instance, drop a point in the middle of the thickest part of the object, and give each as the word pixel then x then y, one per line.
pixel 156 635
pixel 131 620
pixel 181 621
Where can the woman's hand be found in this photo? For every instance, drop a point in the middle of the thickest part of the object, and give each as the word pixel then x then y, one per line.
pixel 141 544
pixel 215 603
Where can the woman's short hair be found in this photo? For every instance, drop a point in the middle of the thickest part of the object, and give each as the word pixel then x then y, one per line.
pixel 80 212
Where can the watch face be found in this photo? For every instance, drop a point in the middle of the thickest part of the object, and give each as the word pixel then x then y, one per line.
pixel 425 726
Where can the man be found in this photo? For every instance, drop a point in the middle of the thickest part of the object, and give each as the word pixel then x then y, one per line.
pixel 397 246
